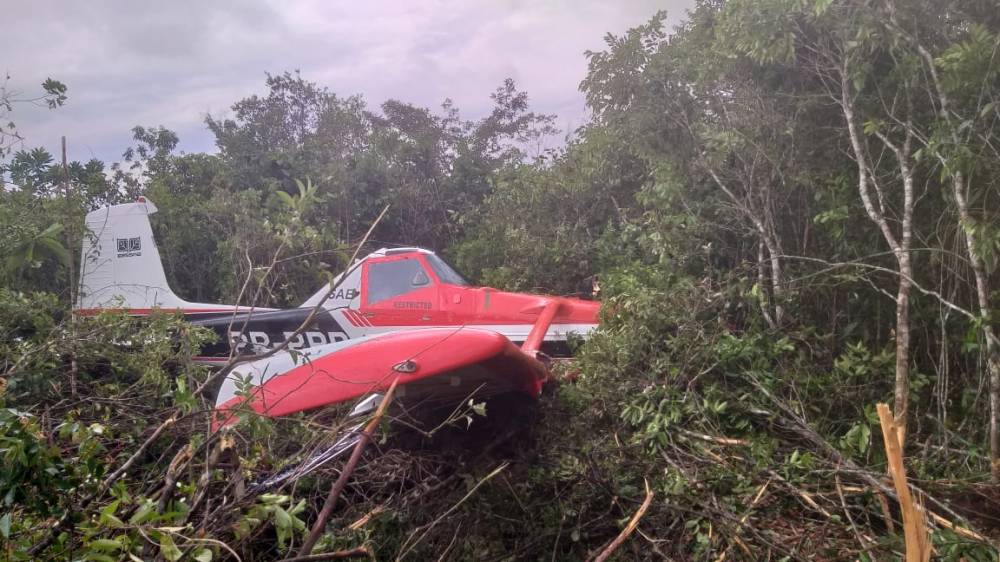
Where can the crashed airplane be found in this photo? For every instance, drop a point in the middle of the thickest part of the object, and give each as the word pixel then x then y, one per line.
pixel 399 313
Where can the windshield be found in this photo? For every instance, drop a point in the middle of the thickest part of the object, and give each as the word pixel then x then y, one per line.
pixel 444 271
pixel 390 279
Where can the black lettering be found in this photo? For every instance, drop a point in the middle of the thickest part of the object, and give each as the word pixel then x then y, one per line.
pixel 296 343
pixel 129 247
pixel 412 305
pixel 347 294
pixel 315 338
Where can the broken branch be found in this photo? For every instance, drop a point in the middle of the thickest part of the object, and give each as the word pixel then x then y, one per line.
pixel 352 463
pixel 632 524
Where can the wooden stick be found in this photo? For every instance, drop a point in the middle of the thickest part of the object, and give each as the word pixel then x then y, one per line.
pixel 352 463
pixel 632 524
pixel 736 538
pixel 883 503
pixel 366 518
pixel 356 552
pixel 74 367
pixel 713 439
pixel 918 548
pixel 847 512
pixel 961 531
pixel 173 472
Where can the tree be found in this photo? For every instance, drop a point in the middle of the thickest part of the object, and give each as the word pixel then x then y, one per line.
pixel 433 166
pixel 53 96
pixel 33 250
pixel 899 109
pixel 956 134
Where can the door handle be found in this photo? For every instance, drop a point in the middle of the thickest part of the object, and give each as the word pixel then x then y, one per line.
pixel 368 314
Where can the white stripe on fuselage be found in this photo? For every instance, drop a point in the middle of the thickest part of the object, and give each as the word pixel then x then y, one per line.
pixel 513 332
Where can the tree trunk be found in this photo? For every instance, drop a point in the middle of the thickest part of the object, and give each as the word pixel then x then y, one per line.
pixel 769 240
pixel 983 302
pixel 900 247
pixel 960 190
pixel 777 287
pixel 902 383
pixel 765 307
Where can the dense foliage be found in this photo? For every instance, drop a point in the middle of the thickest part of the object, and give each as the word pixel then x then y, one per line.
pixel 790 206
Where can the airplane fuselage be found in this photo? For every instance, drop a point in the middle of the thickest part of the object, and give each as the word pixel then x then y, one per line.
pixel 359 310
pixel 389 290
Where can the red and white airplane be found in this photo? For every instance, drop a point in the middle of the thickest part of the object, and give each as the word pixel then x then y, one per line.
pixel 397 313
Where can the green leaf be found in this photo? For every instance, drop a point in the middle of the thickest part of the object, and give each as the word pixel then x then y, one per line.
pixel 286 199
pixel 203 555
pixel 5 526
pixel 282 519
pixel 142 514
pixel 106 544
pixel 52 230
pixel 112 521
pixel 864 438
pixel 168 549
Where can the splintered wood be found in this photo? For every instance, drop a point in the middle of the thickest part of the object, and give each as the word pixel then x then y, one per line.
pixel 918 544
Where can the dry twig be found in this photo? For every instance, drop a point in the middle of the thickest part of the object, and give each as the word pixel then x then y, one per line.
pixel 632 524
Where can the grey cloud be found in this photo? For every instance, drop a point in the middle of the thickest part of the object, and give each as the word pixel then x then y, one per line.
pixel 171 63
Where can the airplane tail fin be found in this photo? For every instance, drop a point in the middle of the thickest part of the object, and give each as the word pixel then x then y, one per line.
pixel 120 266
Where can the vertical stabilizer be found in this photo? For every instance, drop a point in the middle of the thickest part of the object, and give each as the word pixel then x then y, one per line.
pixel 120 266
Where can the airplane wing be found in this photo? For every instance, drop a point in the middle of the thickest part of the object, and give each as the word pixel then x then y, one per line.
pixel 435 367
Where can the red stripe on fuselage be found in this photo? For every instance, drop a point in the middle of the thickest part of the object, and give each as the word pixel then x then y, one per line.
pixel 148 311
pixel 353 317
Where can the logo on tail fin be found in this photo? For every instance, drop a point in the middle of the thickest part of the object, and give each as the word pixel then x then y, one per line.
pixel 129 247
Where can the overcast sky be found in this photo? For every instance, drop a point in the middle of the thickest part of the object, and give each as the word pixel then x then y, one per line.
pixel 170 63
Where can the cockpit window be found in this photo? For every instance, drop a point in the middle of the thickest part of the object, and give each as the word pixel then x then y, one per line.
pixel 420 278
pixel 444 271
pixel 393 278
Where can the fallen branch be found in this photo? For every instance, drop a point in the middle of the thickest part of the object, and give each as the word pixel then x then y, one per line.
pixel 797 424
pixel 958 530
pixel 632 524
pixel 366 518
pixel 103 487
pixel 352 463
pixel 802 494
pixel 736 538
pixel 847 512
pixel 729 441
pixel 173 472
pixel 358 552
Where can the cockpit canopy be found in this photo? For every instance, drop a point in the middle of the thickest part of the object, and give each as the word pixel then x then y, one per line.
pixel 397 273
pixel 390 272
